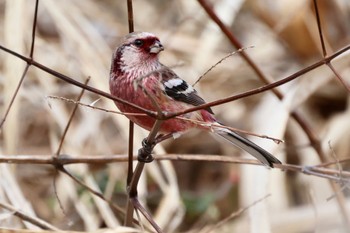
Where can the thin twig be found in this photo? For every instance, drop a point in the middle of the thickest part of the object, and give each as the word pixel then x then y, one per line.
pixel 34 28
pixel 337 190
pixel 129 205
pixel 320 33
pixel 235 42
pixel 27 66
pixel 146 214
pixel 76 83
pixel 337 75
pixel 324 51
pixel 234 215
pixel 70 119
pixel 96 193
pixel 265 88
pixel 314 140
pixel 130 16
pixel 130 152
pixel 340 169
pixel 347 160
pixel 221 60
pixel 61 144
pixel 93 107
pixel 210 104
pixel 197 122
pixel 118 209
pixel 214 125
pixel 315 170
pixel 32 219
pixel 14 96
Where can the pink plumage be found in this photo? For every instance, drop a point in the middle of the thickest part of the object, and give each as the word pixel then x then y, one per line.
pixel 136 70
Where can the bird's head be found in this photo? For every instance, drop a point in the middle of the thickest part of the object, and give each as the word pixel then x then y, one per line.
pixel 143 43
pixel 138 50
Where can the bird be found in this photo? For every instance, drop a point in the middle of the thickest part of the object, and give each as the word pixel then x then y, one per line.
pixel 138 77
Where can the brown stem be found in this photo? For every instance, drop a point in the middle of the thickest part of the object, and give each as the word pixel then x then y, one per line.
pixel 319 27
pixel 26 217
pixel 76 83
pixel 70 119
pixel 315 142
pixel 146 214
pixel 129 205
pixel 263 88
pixel 337 75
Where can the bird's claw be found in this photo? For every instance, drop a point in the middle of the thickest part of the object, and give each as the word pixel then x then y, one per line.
pixel 145 153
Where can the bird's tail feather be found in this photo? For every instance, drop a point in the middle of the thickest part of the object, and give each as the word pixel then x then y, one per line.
pixel 247 145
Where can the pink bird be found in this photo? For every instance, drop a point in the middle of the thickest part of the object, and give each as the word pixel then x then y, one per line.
pixel 136 74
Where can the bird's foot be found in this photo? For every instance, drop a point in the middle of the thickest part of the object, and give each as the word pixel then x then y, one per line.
pixel 145 153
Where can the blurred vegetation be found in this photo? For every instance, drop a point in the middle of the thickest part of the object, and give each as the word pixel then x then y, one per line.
pixel 77 38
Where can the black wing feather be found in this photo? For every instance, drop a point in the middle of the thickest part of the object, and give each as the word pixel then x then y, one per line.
pixel 181 92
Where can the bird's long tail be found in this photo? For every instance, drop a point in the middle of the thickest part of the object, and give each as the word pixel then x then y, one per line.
pixel 247 145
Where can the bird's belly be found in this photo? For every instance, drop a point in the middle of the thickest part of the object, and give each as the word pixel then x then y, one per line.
pixel 168 126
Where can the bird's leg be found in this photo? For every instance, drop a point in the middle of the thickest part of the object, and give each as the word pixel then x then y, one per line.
pixel 145 153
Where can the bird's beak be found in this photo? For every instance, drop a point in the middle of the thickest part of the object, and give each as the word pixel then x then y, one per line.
pixel 156 47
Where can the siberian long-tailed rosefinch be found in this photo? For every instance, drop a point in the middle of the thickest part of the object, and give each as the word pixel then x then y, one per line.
pixel 137 76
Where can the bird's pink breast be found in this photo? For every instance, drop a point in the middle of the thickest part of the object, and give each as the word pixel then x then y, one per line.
pixel 125 90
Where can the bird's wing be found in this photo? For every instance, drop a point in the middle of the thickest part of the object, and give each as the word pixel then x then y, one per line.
pixel 178 89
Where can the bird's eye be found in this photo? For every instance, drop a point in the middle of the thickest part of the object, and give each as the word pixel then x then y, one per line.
pixel 138 42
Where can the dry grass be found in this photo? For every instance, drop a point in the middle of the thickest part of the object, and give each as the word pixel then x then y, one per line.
pixel 77 38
